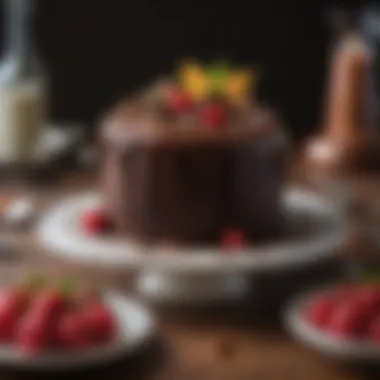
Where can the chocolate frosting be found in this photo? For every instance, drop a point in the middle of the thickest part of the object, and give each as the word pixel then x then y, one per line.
pixel 173 180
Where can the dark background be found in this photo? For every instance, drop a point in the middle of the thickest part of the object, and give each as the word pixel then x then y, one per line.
pixel 98 50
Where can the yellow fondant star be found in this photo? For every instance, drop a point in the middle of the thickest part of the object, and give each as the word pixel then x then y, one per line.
pixel 238 85
pixel 195 81
pixel 200 83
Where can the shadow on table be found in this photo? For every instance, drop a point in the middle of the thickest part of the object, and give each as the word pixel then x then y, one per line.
pixel 367 371
pixel 139 366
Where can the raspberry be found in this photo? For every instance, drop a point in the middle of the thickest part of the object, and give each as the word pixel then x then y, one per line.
pixel 213 115
pixel 95 222
pixel 233 238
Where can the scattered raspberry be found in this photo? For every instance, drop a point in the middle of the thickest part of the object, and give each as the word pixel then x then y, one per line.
pixel 72 331
pixel 13 303
pixel 367 297
pixel 49 304
pixel 38 319
pixel 233 238
pixel 350 311
pixel 374 330
pixel 95 222
pixel 100 322
pixel 32 334
pixel 320 310
pixel 347 321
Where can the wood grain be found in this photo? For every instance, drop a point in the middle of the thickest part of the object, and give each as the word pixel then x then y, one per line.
pixel 190 348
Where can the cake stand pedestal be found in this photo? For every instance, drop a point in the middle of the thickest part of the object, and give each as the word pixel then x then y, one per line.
pixel 315 226
pixel 156 285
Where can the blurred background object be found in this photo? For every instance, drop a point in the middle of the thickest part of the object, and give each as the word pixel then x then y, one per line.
pixel 27 140
pixel 348 140
pixel 23 92
pixel 118 47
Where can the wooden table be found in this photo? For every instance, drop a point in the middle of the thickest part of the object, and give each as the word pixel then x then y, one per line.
pixel 213 344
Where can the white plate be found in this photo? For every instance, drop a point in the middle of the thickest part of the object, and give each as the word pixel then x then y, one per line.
pixel 327 344
pixel 135 327
pixel 61 232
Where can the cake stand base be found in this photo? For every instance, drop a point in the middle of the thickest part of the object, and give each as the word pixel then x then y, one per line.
pixel 162 286
pixel 315 230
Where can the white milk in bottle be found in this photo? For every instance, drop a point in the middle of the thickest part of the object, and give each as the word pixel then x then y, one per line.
pixel 22 87
pixel 22 114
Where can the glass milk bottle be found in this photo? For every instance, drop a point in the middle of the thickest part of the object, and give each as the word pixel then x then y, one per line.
pixel 22 86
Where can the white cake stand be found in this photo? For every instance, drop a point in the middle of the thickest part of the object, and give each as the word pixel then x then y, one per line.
pixel 197 273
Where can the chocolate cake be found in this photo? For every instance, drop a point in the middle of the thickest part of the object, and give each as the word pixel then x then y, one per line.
pixel 192 157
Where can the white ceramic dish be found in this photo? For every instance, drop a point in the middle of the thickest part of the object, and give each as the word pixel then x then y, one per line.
pixel 326 344
pixel 135 326
pixel 174 273
pixel 61 232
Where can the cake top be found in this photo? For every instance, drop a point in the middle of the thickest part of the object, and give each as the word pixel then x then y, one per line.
pixel 219 82
pixel 200 103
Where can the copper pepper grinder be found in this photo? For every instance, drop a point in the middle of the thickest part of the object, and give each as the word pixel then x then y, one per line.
pixel 345 143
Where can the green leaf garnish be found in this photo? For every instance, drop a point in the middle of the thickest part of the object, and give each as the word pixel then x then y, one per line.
pixel 369 276
pixel 35 282
pixel 218 74
pixel 67 286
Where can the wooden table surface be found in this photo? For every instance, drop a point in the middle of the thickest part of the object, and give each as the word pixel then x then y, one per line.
pixel 222 343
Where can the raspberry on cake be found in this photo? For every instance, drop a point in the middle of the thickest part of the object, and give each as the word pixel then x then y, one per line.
pixel 198 156
pixel 95 222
